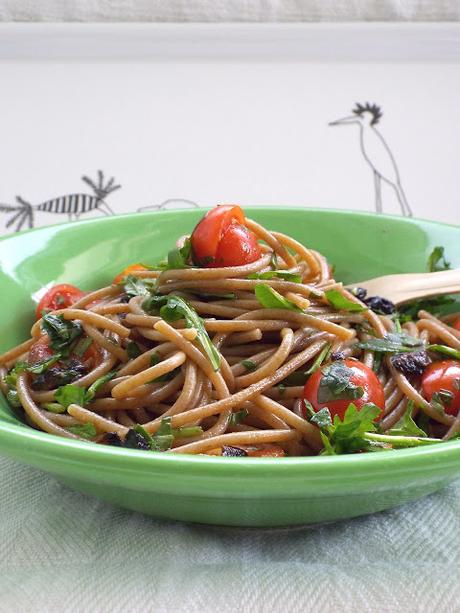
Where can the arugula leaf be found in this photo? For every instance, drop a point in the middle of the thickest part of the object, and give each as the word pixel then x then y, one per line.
pixel 273 261
pixel 162 440
pixel 276 274
pixel 132 349
pixel 87 430
pixel 94 387
pixel 13 398
pixel 393 342
pixel 320 358
pixel 82 346
pixel 249 365
pixel 179 258
pixel 70 394
pixel 271 299
pixel 342 303
pixel 138 286
pixel 238 417
pixel 54 407
pixel 187 431
pixel 62 333
pixel 437 260
pixel 409 311
pixel 210 296
pixel 40 367
pixel 173 308
pixel 406 426
pixel 450 351
pixel 336 384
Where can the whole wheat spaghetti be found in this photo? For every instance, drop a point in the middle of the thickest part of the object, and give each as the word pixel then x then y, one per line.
pixel 241 343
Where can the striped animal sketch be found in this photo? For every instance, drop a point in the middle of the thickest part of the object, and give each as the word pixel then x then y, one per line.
pixel 72 205
pixel 377 153
pixel 170 204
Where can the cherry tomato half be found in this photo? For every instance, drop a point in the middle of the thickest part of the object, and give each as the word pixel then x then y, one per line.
pixel 40 351
pixel 127 271
pixel 362 376
pixel 58 297
pixel 221 239
pixel 456 323
pixel 443 376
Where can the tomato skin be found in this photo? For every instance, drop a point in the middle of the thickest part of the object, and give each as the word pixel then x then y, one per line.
pixel 58 297
pixel 127 271
pixel 40 351
pixel 237 247
pixel 456 324
pixel 224 224
pixel 271 451
pixel 362 376
pixel 444 375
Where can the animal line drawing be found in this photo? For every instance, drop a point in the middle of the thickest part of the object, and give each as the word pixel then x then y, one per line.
pixel 171 203
pixel 376 153
pixel 72 205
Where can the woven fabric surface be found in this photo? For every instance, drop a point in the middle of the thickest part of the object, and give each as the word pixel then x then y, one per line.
pixel 229 10
pixel 63 551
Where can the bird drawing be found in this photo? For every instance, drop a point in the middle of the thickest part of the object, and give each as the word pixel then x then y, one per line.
pixel 170 204
pixel 72 205
pixel 376 153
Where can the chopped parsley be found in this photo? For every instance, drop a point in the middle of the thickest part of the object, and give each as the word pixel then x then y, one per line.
pixel 277 274
pixel 336 384
pixel 238 417
pixel 138 286
pixel 87 430
pixel 406 426
pixel 437 260
pixel 62 333
pixel 133 350
pixel 393 342
pixel 249 365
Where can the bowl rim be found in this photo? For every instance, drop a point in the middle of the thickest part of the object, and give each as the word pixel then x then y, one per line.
pixel 77 451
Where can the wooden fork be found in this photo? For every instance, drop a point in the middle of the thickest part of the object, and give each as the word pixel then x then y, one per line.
pixel 401 288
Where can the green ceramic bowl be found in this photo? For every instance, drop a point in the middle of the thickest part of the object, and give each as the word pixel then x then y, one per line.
pixel 229 491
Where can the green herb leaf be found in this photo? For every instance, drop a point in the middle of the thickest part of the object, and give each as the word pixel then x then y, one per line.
pixel 40 367
pixel 437 260
pixel 276 274
pixel 54 407
pixel 132 349
pixel 347 435
pixel 82 346
pixel 444 349
pixel 238 417
pixel 249 365
pixel 392 343
pixel 94 387
pixel 409 311
pixel 336 384
pixel 406 426
pixel 187 431
pixel 87 430
pixel 180 258
pixel 211 296
pixel 70 394
pixel 138 286
pixel 173 308
pixel 62 333
pixel 281 388
pixel 271 299
pixel 342 303
pixel 13 398
pixel 273 261
pixel 320 358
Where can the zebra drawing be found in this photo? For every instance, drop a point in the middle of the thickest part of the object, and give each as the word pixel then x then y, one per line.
pixel 72 205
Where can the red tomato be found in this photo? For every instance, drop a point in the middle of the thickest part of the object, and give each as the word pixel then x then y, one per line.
pixel 456 323
pixel 221 239
pixel 58 297
pixel 40 351
pixel 444 375
pixel 127 271
pixel 362 376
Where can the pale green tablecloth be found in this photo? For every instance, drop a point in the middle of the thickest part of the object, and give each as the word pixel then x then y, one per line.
pixel 63 551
